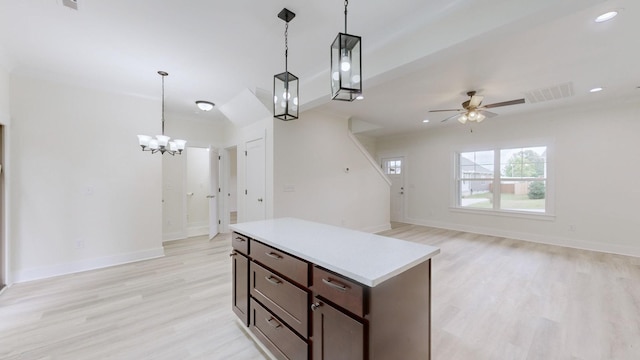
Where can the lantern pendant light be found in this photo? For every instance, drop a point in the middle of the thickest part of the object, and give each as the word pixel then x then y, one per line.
pixel 285 85
pixel 346 65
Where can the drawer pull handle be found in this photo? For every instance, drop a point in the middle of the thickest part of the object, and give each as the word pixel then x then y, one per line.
pixel 233 254
pixel 238 238
pixel 335 285
pixel 315 306
pixel 274 324
pixel 274 255
pixel 273 280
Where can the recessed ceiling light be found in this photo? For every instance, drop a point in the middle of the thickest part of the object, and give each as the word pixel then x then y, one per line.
pixel 425 121
pixel 606 16
pixel 596 89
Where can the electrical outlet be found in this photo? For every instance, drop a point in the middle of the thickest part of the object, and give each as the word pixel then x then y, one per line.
pixel 79 244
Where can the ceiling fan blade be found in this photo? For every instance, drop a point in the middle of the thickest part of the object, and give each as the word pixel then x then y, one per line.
pixel 488 114
pixel 446 110
pixel 475 101
pixel 504 103
pixel 450 117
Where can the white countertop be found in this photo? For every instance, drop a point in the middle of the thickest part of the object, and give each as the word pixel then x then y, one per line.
pixel 366 258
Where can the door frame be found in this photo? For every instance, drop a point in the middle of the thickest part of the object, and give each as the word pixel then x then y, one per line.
pixel 4 205
pixel 224 207
pixel 185 223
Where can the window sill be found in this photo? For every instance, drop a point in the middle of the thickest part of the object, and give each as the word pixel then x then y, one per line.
pixel 506 213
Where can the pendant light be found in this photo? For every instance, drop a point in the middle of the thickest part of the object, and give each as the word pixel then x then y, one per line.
pixel 285 85
pixel 161 143
pixel 346 65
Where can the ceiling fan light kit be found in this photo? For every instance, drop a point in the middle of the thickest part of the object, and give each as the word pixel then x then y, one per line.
pixel 473 110
pixel 346 65
pixel 285 85
pixel 161 143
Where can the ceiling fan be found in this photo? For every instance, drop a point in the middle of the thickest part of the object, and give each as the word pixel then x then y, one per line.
pixel 473 110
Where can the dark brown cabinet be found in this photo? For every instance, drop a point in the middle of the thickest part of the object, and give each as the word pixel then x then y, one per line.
pixel 299 310
pixel 336 336
pixel 240 273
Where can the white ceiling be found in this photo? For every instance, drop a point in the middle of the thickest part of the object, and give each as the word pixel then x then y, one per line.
pixel 418 55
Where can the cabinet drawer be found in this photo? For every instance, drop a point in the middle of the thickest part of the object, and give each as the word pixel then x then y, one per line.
pixel 279 339
pixel 339 290
pixel 281 262
pixel 284 299
pixel 240 243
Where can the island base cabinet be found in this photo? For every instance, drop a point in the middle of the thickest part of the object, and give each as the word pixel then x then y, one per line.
pixel 240 291
pixel 336 336
pixel 283 343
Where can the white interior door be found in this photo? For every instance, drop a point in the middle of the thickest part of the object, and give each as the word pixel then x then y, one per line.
pixel 198 178
pixel 255 180
pixel 394 168
pixel 214 168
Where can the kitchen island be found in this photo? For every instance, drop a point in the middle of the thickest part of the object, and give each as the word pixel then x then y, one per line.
pixel 313 291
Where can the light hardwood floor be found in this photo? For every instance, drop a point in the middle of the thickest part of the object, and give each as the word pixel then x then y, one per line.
pixel 493 298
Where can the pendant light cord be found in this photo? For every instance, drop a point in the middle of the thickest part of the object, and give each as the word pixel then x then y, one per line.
pixel 346 3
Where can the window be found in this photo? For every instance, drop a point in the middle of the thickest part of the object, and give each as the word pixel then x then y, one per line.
pixel 393 167
pixel 512 179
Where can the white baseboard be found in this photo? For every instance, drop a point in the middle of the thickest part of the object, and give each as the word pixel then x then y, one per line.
pixel 377 229
pixel 198 230
pixel 178 235
pixel 537 238
pixel 85 265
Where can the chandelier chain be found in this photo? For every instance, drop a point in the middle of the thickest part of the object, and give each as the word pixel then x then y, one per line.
pixel 286 45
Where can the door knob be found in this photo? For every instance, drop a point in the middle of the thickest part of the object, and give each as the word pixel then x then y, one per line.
pixel 259 199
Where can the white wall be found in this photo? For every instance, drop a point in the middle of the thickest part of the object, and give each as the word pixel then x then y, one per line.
pixel 84 195
pixel 200 131
pixel 4 96
pixel 311 181
pixel 592 159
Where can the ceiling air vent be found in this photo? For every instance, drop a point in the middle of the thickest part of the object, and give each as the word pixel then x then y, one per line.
pixel 551 93
pixel 73 4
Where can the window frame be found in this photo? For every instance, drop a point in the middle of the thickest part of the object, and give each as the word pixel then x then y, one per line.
pixel 457 178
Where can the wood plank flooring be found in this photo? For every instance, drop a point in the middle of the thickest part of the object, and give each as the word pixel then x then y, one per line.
pixel 493 298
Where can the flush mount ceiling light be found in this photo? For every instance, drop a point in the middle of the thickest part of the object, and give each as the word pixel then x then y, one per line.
pixel 161 143
pixel 346 65
pixel 596 89
pixel 205 105
pixel 285 85
pixel 606 16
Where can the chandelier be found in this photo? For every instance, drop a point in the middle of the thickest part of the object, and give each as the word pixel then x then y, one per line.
pixel 285 85
pixel 161 143
pixel 346 65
